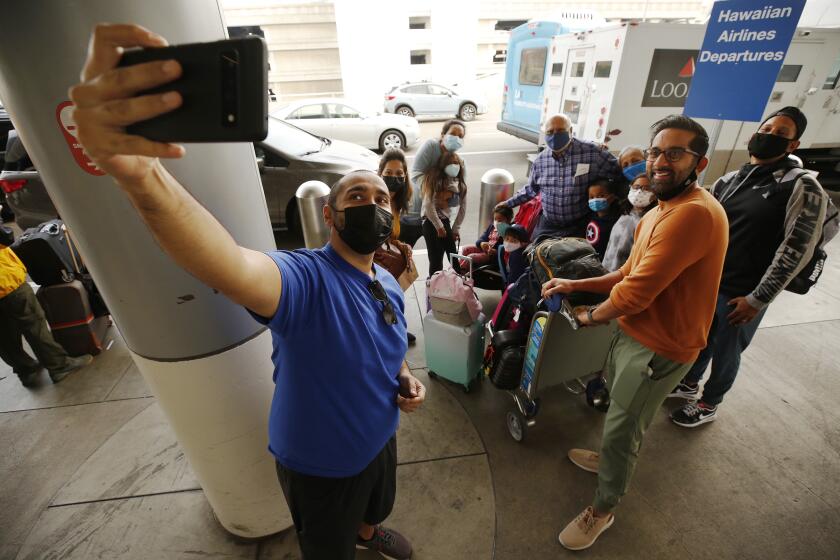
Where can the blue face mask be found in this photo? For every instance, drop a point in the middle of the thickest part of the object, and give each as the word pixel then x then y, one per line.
pixel 598 204
pixel 634 170
pixel 452 143
pixel 452 169
pixel 557 140
pixel 501 227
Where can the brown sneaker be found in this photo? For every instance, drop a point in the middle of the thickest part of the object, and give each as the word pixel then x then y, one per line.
pixel 585 459
pixel 584 529
pixel 388 543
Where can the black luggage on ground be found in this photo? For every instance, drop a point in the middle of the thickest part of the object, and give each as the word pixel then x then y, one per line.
pixel 72 320
pixel 46 253
pixel 505 357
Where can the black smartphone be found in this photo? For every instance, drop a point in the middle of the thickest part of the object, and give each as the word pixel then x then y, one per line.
pixel 224 86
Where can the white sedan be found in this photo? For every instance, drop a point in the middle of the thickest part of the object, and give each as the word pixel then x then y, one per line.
pixel 340 120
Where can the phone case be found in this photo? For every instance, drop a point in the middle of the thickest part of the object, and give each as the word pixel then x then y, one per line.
pixel 224 85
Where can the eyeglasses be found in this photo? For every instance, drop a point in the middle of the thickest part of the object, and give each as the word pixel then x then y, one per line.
pixel 671 154
pixel 378 293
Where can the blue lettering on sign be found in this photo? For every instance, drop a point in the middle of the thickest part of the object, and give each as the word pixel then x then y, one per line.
pixel 531 354
pixel 742 54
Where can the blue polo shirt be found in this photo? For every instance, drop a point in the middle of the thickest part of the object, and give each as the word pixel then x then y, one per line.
pixel 336 363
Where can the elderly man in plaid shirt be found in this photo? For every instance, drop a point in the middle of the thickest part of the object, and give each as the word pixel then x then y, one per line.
pixel 562 174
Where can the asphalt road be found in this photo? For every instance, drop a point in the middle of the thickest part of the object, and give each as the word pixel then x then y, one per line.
pixel 484 148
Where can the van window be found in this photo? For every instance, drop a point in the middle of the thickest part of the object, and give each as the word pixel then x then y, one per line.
pixel 602 68
pixel 532 66
pixel 578 69
pixel 571 109
pixel 557 69
pixel 789 73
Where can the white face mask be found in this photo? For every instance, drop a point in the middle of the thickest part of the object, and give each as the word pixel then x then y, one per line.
pixel 511 246
pixel 640 198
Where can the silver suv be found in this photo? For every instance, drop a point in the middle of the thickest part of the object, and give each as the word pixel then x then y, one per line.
pixel 424 98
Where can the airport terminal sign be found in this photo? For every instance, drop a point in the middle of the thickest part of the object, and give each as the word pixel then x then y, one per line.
pixel 669 77
pixel 743 50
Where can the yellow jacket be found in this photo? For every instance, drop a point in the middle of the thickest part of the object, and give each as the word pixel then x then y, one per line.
pixel 12 271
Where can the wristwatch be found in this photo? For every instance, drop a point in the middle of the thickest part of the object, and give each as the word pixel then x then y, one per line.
pixel 589 311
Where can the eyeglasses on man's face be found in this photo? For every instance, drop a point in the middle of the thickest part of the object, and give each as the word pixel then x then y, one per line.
pixel 671 154
pixel 378 293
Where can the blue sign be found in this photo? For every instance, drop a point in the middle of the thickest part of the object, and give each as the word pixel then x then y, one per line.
pixel 745 44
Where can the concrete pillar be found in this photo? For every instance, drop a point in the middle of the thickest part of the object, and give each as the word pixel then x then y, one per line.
pixel 206 360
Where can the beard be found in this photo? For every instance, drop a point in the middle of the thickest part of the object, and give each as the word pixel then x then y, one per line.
pixel 665 182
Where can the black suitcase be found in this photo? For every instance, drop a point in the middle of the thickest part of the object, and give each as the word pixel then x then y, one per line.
pixel 72 320
pixel 46 253
pixel 505 357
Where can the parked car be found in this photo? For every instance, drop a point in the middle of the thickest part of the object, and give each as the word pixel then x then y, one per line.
pixel 423 98
pixel 340 119
pixel 287 157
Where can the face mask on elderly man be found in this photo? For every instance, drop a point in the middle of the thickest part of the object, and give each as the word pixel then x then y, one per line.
pixel 558 140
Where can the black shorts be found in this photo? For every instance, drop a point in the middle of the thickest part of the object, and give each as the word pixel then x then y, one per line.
pixel 327 512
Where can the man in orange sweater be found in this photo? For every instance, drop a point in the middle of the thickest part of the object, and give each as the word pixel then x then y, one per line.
pixel 664 299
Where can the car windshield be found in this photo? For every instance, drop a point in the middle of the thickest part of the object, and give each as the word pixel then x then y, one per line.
pixel 289 139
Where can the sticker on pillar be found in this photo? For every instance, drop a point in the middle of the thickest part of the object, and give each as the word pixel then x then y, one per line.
pixel 64 116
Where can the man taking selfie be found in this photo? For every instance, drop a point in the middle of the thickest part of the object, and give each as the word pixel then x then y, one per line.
pixel 336 318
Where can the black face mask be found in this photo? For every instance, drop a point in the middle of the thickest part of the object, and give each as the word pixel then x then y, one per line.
pixel 395 184
pixel 767 146
pixel 365 227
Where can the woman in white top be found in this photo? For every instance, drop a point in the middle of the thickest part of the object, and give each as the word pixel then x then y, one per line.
pixel 443 189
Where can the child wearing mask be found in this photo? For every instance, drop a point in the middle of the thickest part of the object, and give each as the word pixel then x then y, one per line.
pixel 443 188
pixel 639 201
pixel 515 240
pixel 484 250
pixel 604 198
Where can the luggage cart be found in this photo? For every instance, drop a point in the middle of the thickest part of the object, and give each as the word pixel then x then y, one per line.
pixel 558 352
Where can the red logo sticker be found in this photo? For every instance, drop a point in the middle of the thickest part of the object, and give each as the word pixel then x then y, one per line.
pixel 64 116
pixel 687 71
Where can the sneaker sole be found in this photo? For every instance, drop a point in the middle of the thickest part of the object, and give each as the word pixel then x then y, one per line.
pixel 604 528
pixel 686 396
pixel 382 554
pixel 705 420
pixel 583 467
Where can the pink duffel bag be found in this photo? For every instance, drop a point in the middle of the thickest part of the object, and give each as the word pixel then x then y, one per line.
pixel 452 298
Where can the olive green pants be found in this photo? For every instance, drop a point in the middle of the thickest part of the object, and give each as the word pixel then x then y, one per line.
pixel 638 381
pixel 22 316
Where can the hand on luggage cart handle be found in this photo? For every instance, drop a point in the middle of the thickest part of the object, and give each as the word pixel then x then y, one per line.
pixel 558 303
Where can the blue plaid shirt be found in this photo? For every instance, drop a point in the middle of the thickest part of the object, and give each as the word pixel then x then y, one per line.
pixel 564 181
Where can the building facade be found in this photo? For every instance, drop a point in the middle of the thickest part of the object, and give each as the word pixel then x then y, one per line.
pixel 362 48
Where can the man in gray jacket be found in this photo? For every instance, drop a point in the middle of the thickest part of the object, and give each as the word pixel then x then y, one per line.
pixel 776 212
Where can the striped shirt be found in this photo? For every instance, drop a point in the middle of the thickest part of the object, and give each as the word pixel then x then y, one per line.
pixel 564 180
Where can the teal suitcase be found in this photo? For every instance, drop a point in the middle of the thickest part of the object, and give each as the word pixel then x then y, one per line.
pixel 452 352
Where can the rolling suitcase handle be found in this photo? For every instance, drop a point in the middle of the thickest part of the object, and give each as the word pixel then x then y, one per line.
pixel 71 245
pixel 465 257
